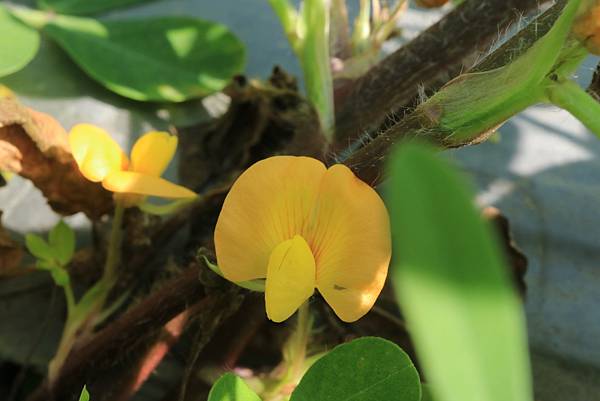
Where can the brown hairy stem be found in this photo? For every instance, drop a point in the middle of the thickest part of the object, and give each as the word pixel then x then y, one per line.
pixel 104 363
pixel 429 60
pixel 368 162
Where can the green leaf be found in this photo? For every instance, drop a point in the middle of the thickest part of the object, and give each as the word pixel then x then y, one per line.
pixel 231 388
pixel 62 240
pixel 85 395
pixel 80 7
pixel 60 276
pixel 154 59
pixel 366 369
pixel 464 316
pixel 39 248
pixel 45 264
pixel 18 43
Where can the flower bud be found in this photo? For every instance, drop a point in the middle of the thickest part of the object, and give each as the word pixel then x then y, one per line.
pixel 587 28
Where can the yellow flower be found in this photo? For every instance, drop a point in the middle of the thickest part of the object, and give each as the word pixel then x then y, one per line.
pixel 101 159
pixel 303 226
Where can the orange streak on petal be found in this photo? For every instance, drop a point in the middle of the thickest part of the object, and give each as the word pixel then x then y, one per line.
pixel 352 243
pixel 268 204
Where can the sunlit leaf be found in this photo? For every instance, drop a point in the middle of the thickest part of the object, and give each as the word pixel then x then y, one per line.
pixel 62 241
pixel 366 369
pixel 80 7
pixel 231 388
pixel 465 319
pixel 153 59
pixel 18 43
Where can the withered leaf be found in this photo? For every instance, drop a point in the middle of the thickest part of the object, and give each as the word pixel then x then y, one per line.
pixel 263 119
pixel 35 146
pixel 517 261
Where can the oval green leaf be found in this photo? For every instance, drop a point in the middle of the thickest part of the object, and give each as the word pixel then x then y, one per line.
pixel 39 248
pixel 231 388
pixel 156 59
pixel 464 316
pixel 366 369
pixel 62 241
pixel 18 43
pixel 81 7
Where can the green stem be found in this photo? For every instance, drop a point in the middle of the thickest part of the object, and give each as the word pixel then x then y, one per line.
pixel 67 341
pixel 573 98
pixel 288 16
pixel 294 354
pixel 80 316
pixel 114 246
pixel 299 341
pixel 70 297
pixel 315 62
pixel 34 18
pixel 362 28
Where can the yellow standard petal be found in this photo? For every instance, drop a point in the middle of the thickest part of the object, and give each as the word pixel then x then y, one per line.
pixel 152 153
pixel 269 203
pixel 135 183
pixel 95 152
pixel 351 243
pixel 290 278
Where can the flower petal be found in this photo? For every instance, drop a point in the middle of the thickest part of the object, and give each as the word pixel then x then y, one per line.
pixel 351 243
pixel 268 204
pixel 152 153
pixel 135 183
pixel 95 152
pixel 290 278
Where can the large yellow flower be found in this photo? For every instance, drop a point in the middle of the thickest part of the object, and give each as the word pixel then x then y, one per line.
pixel 101 159
pixel 303 226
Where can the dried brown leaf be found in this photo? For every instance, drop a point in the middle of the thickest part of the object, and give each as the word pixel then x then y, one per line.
pixel 35 146
pixel 263 119
pixel 515 258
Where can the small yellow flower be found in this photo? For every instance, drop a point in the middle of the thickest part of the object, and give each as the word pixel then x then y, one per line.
pixel 101 159
pixel 303 226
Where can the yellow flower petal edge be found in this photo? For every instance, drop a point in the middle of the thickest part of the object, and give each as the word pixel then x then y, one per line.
pixel 135 183
pixel 342 220
pixel 152 153
pixel 352 243
pixel 290 278
pixel 95 152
